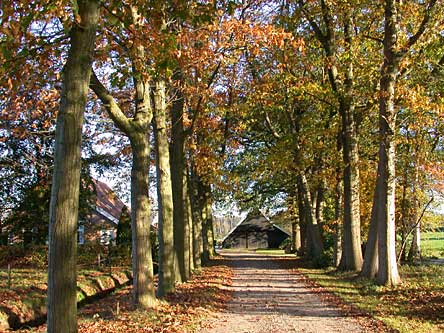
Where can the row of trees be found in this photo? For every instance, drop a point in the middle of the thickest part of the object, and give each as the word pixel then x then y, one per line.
pixel 185 234
pixel 310 103
pixel 361 96
pixel 159 73
pixel 147 65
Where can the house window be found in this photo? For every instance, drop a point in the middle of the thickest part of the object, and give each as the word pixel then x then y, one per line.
pixel 106 236
pixel 81 234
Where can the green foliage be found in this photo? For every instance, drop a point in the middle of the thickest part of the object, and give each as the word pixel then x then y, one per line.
pixel 432 244
pixel 432 221
pixel 324 260
pixel 28 222
pixel 124 228
pixel 285 244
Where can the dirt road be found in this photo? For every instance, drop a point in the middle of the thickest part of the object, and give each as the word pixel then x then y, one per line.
pixel 268 297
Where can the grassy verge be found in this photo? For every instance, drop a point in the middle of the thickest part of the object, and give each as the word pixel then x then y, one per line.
pixel 270 251
pixel 417 305
pixel 23 293
pixel 277 252
pixel 186 310
pixel 432 244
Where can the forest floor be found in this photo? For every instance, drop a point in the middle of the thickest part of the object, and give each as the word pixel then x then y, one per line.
pixel 271 295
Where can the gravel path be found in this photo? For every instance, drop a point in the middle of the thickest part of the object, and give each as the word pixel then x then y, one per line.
pixel 268 298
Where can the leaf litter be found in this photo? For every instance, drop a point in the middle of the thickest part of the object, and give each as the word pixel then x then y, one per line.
pixel 185 311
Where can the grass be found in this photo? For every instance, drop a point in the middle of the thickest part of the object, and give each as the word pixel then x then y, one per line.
pixel 32 278
pixel 277 252
pixel 270 251
pixel 417 305
pixel 432 244
pixel 22 278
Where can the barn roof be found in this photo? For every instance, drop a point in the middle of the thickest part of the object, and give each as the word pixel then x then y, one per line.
pixel 253 221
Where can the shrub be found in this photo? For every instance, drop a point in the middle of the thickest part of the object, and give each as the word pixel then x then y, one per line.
pixel 18 256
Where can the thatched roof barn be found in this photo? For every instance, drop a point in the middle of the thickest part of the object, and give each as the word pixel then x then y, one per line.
pixel 254 232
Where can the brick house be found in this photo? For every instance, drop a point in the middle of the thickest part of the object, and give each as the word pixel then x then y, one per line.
pixel 100 225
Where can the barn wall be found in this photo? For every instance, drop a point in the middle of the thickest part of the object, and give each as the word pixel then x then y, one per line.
pixel 275 238
pixel 256 239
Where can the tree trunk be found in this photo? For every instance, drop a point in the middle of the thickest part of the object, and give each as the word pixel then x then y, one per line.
pixel 210 226
pixel 302 223
pixel 138 131
pixel 415 246
pixel 185 235
pixel 351 258
pixel 387 262
pixel 62 272
pixel 3 235
pixel 386 184
pixel 338 219
pixel 197 241
pixel 386 181
pixel 320 204
pixel 189 229
pixel 197 220
pixel 207 222
pixel 296 237
pixel 177 174
pixel 370 264
pixel 207 232
pixel 143 282
pixel 314 240
pixel 404 217
pixel 164 193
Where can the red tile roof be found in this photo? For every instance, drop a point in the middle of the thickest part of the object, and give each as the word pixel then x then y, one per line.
pixel 107 199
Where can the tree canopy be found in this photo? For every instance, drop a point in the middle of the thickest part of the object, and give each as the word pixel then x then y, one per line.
pixel 330 111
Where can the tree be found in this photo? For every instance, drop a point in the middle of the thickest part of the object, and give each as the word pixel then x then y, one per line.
pixel 385 190
pixel 178 172
pixel 63 214
pixel 137 130
pixel 328 36
pixel 165 195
